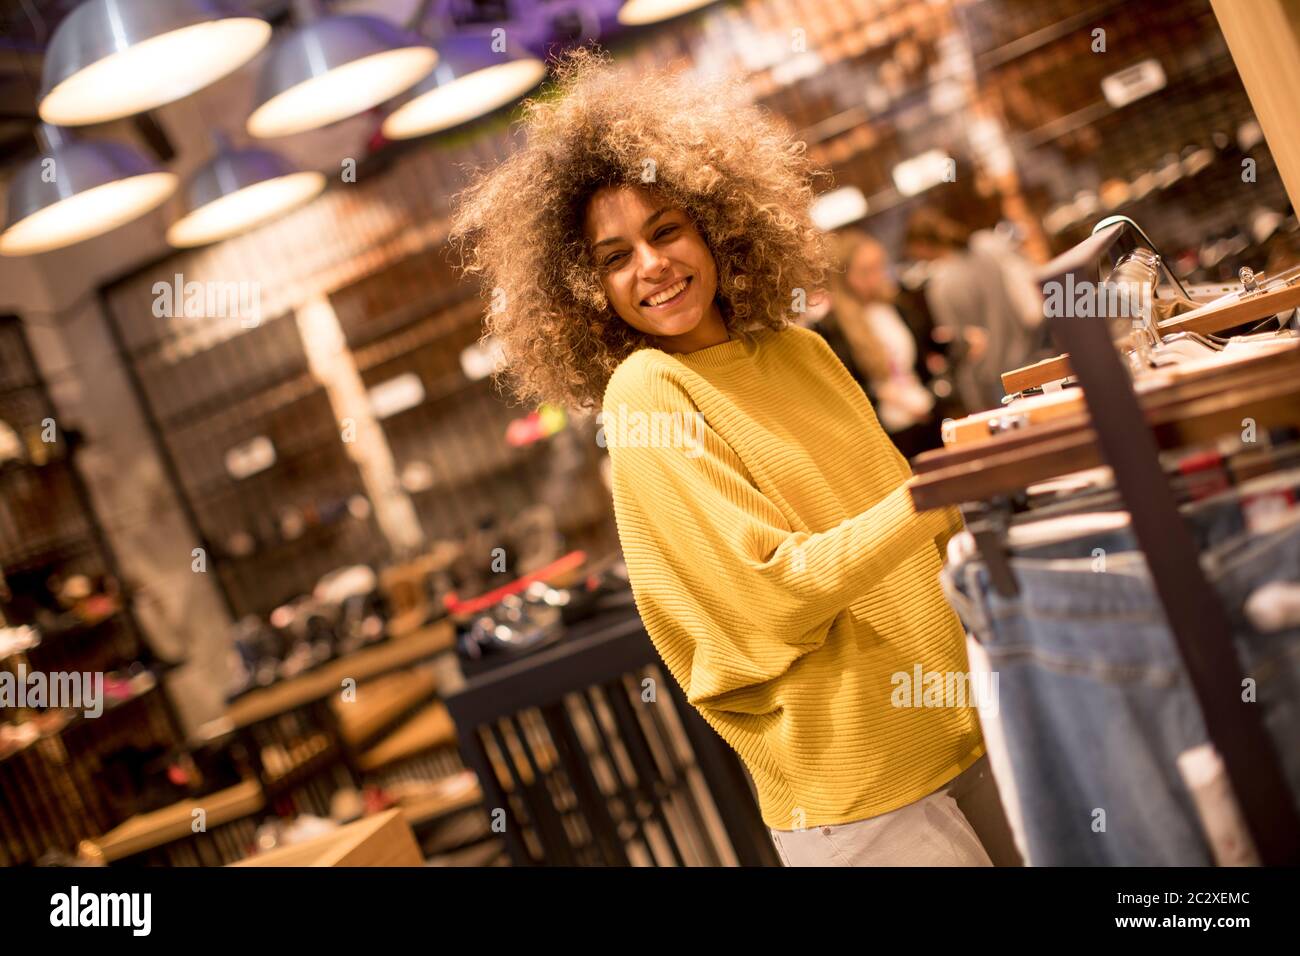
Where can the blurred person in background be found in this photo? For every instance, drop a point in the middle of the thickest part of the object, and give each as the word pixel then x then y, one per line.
pixel 886 349
pixel 819 317
pixel 979 286
pixel 652 246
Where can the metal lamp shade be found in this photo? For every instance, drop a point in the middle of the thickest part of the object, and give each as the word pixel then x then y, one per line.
pixel 238 190
pixel 335 67
pixel 77 191
pixel 113 58
pixel 640 12
pixel 475 75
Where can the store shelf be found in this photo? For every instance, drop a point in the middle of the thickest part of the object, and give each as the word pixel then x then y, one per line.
pixel 420 333
pixel 244 404
pixel 457 833
pixel 515 458
pixel 448 386
pixel 834 47
pixel 64 719
pixel 57 720
pixel 430 728
pixel 81 627
pixel 1100 109
pixel 1023 46
pixel 149 682
pixel 10 388
pixel 311 534
pixel 303 759
pixel 46 551
pixel 415 324
pixel 453 794
pixel 286 457
pixel 382 702
pixel 149 830
pixel 403 624
pixel 15 467
pixel 327 679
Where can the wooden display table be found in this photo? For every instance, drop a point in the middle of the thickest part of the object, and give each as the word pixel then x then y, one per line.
pixel 384 839
pixel 541 733
pixel 326 680
pixel 148 830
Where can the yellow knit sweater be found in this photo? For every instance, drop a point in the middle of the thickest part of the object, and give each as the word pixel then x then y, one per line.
pixel 785 577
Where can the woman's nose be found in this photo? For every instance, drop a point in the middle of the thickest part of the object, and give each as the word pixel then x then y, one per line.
pixel 650 261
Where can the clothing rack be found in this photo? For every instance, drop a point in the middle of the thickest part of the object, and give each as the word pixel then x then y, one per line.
pixel 1118 431
pixel 1200 624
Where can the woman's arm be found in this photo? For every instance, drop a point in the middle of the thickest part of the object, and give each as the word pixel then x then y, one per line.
pixel 955 524
pixel 714 563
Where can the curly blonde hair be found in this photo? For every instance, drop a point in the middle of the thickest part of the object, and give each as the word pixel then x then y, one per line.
pixel 740 176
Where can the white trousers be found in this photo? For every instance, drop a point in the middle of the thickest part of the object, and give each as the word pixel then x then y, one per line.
pixel 932 831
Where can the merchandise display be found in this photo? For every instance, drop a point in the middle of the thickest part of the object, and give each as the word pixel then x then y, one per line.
pixel 1083 623
pixel 1088 671
pixel 773 433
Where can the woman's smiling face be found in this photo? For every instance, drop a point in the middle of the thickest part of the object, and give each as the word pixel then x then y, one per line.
pixel 655 267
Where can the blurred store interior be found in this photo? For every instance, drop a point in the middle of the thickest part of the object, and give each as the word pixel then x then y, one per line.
pixel 256 473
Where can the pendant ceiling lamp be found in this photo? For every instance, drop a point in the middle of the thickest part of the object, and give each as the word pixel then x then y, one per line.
pixel 114 58
pixel 333 67
pixel 237 190
pixel 637 13
pixel 78 190
pixel 475 75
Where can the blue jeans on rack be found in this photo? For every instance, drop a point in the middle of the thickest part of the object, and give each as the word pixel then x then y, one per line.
pixel 1094 701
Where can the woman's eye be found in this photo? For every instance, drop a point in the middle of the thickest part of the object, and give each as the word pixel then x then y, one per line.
pixel 614 260
pixel 666 231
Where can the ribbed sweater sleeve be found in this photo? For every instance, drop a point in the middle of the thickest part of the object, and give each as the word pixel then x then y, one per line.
pixel 832 366
pixel 955 523
pixel 715 567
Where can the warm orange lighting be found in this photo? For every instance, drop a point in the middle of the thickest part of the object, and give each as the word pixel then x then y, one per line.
pixel 87 214
pixel 637 13
pixel 464 99
pixel 342 92
pixel 245 209
pixel 155 71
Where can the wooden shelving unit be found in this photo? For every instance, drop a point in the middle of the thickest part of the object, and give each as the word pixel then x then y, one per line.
pixel 54 789
pixel 431 727
pixel 328 679
pixel 176 822
pixel 394 720
pixel 383 703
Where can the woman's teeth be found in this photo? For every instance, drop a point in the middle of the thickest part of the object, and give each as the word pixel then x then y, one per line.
pixel 667 294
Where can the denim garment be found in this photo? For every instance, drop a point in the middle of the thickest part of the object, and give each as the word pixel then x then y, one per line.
pixel 1094 701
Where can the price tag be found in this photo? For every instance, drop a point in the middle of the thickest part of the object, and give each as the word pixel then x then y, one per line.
pixel 246 460
pixel 396 395
pixel 1133 83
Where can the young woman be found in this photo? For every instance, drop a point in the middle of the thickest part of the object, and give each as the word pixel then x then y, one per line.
pixel 646 250
pixel 882 343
